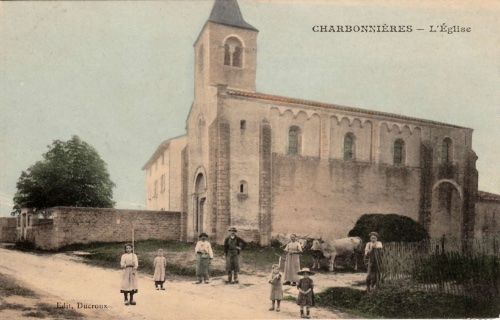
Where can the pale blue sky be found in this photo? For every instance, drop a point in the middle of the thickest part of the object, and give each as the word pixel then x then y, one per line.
pixel 120 74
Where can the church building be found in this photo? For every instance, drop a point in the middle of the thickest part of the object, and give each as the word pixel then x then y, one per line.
pixel 270 165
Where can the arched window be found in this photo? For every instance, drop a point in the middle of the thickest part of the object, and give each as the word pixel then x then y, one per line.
pixel 200 184
pixel 399 152
pixel 243 187
pixel 233 52
pixel 294 140
pixel 243 190
pixel 446 149
pixel 349 146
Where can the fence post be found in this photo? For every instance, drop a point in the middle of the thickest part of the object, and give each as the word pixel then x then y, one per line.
pixel 496 282
pixel 495 249
pixel 443 238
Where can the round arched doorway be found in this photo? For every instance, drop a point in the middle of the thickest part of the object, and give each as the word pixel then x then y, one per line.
pixel 199 199
pixel 446 214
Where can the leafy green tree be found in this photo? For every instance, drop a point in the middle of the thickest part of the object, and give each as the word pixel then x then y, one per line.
pixel 71 174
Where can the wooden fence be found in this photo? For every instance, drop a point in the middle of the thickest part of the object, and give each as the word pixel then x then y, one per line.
pixel 459 267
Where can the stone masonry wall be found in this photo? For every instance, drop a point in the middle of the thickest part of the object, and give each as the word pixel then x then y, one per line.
pixel 8 231
pixel 85 225
pixel 325 198
pixel 487 219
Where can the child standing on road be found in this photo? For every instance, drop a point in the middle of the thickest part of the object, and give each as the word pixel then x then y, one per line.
pixel 129 264
pixel 276 288
pixel 160 264
pixel 306 293
pixel 204 255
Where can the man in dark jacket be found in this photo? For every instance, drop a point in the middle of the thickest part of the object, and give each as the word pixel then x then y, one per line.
pixel 232 248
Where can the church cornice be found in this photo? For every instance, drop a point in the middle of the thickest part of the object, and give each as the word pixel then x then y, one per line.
pixel 303 102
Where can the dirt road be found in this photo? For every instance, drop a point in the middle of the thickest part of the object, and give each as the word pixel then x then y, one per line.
pixel 74 282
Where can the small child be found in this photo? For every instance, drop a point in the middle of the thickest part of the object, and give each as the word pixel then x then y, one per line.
pixel 160 264
pixel 276 288
pixel 306 293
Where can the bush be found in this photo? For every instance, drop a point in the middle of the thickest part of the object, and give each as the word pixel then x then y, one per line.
pixel 390 227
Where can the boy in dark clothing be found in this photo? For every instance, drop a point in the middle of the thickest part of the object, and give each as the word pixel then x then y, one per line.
pixel 232 248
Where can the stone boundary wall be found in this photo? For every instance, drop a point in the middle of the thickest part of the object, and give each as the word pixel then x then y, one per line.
pixel 8 229
pixel 72 225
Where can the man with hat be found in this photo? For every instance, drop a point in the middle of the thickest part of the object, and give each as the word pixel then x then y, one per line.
pixel 232 248
pixel 372 257
pixel 204 254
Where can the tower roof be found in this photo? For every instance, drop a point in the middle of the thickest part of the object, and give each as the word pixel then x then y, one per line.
pixel 227 12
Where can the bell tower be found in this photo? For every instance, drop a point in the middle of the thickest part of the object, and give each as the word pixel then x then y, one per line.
pixel 226 49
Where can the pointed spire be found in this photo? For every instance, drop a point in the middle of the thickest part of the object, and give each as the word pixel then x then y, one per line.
pixel 228 12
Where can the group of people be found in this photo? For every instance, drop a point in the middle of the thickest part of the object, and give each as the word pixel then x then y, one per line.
pixel 233 245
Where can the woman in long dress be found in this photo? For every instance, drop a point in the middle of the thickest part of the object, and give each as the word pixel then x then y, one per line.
pixel 292 263
pixel 160 264
pixel 129 264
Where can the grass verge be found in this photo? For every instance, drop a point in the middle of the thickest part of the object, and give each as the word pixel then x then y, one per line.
pixel 180 256
pixel 398 302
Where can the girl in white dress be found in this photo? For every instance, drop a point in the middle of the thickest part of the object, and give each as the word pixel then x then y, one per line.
pixel 129 264
pixel 160 264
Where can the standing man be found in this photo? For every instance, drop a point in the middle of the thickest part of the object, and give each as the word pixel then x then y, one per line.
pixel 232 248
pixel 372 259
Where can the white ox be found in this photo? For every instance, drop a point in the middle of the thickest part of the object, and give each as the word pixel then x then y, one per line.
pixel 345 247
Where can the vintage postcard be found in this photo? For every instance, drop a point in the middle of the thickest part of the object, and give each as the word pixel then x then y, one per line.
pixel 249 159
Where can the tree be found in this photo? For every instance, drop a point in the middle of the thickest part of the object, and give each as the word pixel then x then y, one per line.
pixel 71 174
pixel 390 227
